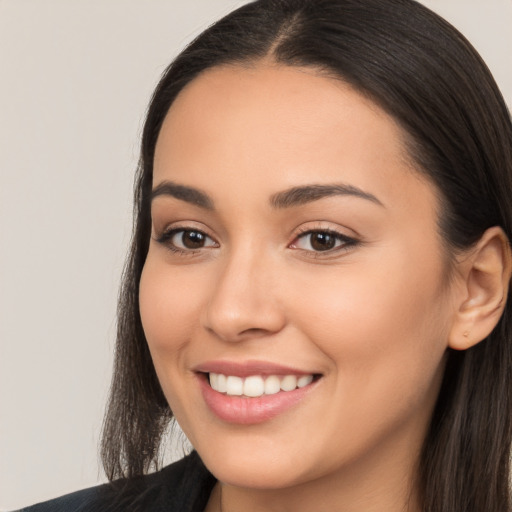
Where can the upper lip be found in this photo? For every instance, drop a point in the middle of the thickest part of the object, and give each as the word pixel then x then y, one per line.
pixel 247 368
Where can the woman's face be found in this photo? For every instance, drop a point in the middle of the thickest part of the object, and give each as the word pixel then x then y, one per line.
pixel 293 246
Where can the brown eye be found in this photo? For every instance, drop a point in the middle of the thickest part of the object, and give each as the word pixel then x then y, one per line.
pixel 322 241
pixel 190 239
pixel 184 240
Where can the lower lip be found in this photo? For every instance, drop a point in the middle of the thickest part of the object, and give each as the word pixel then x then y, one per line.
pixel 247 411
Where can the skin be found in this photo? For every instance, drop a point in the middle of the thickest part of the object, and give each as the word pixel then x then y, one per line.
pixel 374 318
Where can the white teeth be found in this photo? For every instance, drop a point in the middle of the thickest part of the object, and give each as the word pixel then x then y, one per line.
pixel 303 381
pixel 272 385
pixel 289 382
pixel 234 386
pixel 222 386
pixel 256 385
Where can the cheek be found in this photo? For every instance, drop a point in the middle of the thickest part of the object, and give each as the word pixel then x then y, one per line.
pixel 383 332
pixel 168 306
pixel 169 313
pixel 384 327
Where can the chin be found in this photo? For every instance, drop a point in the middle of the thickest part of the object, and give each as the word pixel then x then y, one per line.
pixel 259 460
pixel 257 472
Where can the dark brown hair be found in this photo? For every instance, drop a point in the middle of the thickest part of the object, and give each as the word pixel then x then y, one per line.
pixel 426 75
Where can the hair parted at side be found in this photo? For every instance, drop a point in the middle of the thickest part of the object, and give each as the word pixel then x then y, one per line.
pixel 426 75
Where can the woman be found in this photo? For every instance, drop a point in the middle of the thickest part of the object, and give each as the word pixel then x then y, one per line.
pixel 318 278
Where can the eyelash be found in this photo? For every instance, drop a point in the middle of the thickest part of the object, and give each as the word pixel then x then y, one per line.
pixel 166 239
pixel 345 242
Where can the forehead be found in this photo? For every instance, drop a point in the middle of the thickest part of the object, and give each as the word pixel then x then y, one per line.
pixel 270 127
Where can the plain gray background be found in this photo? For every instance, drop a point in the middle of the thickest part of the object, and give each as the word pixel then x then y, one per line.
pixel 75 78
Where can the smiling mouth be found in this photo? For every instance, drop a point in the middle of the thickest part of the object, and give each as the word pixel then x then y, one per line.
pixel 254 392
pixel 254 386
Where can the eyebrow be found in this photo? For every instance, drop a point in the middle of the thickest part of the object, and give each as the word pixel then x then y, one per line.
pixel 286 199
pixel 182 192
pixel 306 194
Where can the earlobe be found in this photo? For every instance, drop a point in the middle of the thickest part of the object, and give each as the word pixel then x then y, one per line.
pixel 486 274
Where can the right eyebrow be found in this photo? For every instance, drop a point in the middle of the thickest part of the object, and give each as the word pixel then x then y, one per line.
pixel 183 193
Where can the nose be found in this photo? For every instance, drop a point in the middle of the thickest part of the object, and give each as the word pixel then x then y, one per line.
pixel 243 303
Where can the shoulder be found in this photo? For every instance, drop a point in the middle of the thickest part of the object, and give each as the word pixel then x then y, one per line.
pixel 183 486
pixel 74 502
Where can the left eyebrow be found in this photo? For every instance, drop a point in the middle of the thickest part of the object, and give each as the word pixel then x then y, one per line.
pixel 308 193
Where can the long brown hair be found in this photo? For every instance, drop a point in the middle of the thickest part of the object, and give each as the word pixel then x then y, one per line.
pixel 425 74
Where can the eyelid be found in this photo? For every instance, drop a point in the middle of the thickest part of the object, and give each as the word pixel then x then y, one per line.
pixel 343 242
pixel 161 229
pixel 347 241
pixel 164 237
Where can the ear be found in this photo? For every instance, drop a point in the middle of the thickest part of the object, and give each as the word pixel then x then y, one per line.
pixel 485 272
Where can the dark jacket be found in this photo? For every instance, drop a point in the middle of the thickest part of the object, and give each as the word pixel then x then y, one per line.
pixel 184 486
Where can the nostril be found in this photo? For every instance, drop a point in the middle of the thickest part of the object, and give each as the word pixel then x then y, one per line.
pixel 254 331
pixel 245 334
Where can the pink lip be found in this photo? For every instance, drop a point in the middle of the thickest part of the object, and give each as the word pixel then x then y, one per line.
pixel 244 410
pixel 248 368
